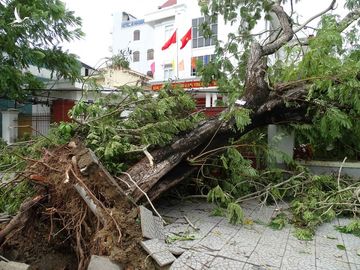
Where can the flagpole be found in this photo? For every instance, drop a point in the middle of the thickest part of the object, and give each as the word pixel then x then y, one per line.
pixel 177 56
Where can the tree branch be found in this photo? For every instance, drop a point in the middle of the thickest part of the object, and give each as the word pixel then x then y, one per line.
pixel 287 32
pixel 349 19
pixel 331 7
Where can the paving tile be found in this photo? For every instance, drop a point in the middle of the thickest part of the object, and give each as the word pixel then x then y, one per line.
pixel 151 226
pixel 263 214
pixel 352 245
pixel 159 229
pixel 220 263
pixel 249 266
pixel 158 251
pixel 275 237
pixel 147 223
pixel 330 264
pixel 354 266
pixel 267 255
pixel 215 240
pixel 101 262
pixel 175 250
pixel 241 245
pixel 192 260
pixel 299 255
pixel 328 255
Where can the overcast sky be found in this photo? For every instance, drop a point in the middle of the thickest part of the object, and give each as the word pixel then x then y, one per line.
pixel 97 21
pixel 97 24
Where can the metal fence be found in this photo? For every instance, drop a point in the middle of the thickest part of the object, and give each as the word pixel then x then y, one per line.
pixel 33 124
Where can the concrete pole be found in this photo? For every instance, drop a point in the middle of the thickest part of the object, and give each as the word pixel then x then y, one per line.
pixel 9 123
pixel 281 140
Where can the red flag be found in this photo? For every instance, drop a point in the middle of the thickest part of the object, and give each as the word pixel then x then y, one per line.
pixel 169 42
pixel 185 39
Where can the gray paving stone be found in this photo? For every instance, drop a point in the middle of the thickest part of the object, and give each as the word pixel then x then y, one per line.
pixel 267 255
pixel 332 265
pixel 352 245
pixel 102 263
pixel 299 255
pixel 354 266
pixel 158 251
pixel 263 214
pixel 256 246
pixel 147 223
pixel 192 260
pixel 226 264
pixel 175 250
pixel 249 266
pixel 159 229
pixel 215 240
pixel 241 245
pixel 275 237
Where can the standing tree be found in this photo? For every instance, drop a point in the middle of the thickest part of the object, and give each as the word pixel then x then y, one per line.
pixel 31 34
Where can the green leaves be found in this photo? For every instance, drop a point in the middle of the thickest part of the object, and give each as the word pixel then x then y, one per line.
pixel 217 196
pixel 235 214
pixel 119 126
pixel 36 42
pixel 353 228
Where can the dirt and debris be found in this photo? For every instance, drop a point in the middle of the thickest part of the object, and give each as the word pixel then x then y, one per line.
pixel 81 213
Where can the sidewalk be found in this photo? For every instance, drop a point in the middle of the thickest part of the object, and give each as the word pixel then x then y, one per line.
pixel 220 245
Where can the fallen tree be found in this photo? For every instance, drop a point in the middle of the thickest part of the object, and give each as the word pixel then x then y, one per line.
pixel 295 101
pixel 163 140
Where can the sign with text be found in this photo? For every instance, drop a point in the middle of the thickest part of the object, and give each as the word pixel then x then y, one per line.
pixel 127 24
pixel 185 85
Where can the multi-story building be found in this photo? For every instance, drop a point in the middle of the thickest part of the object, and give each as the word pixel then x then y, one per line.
pixel 168 43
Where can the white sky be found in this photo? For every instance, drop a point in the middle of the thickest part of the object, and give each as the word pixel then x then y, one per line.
pixel 97 21
pixel 97 24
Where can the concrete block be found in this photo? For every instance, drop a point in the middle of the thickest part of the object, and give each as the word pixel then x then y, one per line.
pixel 152 227
pixel 103 263
pixel 13 266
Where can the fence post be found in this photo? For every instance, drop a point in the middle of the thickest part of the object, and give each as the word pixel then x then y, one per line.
pixel 9 125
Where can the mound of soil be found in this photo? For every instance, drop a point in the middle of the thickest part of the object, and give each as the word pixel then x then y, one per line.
pixel 63 232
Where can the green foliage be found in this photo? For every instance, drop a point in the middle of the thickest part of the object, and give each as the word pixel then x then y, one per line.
pixel 120 60
pixel 12 197
pixel 37 42
pixel 353 228
pixel 218 212
pixel 119 126
pixel 235 214
pixel 218 197
pixel 278 222
pixel 304 234
pixel 183 236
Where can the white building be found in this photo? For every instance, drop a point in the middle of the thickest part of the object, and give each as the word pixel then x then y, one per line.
pixel 144 39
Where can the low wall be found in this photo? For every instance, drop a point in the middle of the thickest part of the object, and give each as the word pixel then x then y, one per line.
pixel 332 167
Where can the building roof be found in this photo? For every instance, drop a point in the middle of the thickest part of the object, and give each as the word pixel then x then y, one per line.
pixel 168 3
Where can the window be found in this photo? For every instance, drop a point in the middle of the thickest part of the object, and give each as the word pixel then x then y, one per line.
pixel 136 56
pixel 200 60
pixel 169 30
pixel 137 35
pixel 198 39
pixel 150 54
pixel 168 72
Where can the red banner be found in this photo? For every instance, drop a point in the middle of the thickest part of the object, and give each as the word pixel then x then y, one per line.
pixel 185 85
